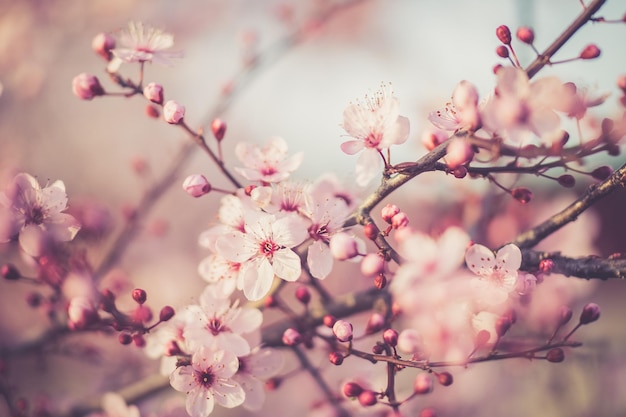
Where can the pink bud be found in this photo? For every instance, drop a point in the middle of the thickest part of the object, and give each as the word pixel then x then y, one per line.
pixel 372 264
pixel 445 378
pixel 218 127
pixel 166 313
pixel 343 246
pixel 423 383
pixel 139 295
pixel 125 338
pixel 390 336
pixel 565 314
pixel 590 313
pixel 465 95
pixel 154 93
pixel 173 112
pixel 602 173
pixel 367 398
pixel 142 314
pixel 375 323
pixel 389 211
pixel 335 358
pixel 502 51
pixel 522 194
pixel 329 320
pixel 291 337
pixel 81 313
pixel 303 295
pixel 352 389
pixel 590 52
pixel 400 220
pixel 102 44
pixel 504 34
pixel 342 330
pixel 555 355
pixel 371 231
pixel 525 34
pixel 567 180
pixel 196 185
pixel 459 153
pixel 139 340
pixel 86 86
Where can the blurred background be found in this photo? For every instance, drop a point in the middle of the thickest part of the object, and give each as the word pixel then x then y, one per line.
pixel 108 152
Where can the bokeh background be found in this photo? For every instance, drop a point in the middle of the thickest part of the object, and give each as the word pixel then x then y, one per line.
pixel 424 47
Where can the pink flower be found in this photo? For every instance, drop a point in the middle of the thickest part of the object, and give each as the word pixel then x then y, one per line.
pixel 154 93
pixel 145 44
pixel 208 380
pixel 269 163
pixel 462 112
pixel 86 86
pixel 264 250
pixel 173 112
pixel 35 213
pixel 217 323
pixel 196 185
pixel 498 274
pixel 260 364
pixel 375 125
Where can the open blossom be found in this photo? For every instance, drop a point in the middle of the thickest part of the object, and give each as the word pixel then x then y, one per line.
pixel 218 323
pixel 264 250
pixel 375 125
pixel 259 365
pixel 268 164
pixel 35 213
pixel 209 379
pixel 142 43
pixel 498 274
pixel 461 112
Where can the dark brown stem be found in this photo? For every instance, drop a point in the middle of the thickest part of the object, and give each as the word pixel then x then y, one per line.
pixel 588 267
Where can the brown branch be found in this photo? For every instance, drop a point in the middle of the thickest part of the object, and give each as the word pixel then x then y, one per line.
pixel 588 267
pixel 593 194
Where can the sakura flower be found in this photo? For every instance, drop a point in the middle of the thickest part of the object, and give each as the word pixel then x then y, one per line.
pixel 498 274
pixel 267 164
pixel 219 324
pixel 260 364
pixel 35 213
pixel 461 112
pixel 375 125
pixel 264 250
pixel 142 43
pixel 222 274
pixel 207 380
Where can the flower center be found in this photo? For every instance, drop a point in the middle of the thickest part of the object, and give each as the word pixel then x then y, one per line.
pixel 319 232
pixel 267 248
pixel 215 326
pixel 35 216
pixel 205 378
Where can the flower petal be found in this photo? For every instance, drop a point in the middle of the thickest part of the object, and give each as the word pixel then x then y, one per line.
pixel 286 264
pixel 257 278
pixel 480 260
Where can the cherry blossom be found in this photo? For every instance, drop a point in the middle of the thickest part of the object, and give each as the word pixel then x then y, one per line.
pixel 207 380
pixel 142 43
pixel 218 323
pixel 264 250
pixel 268 164
pixel 260 364
pixel 375 125
pixel 35 213
pixel 461 112
pixel 498 274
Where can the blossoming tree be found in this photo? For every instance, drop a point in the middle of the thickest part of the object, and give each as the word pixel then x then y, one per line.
pixel 337 293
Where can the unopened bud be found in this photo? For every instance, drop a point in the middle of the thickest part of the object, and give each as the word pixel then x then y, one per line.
pixel 141 314
pixel 173 112
pixel 590 52
pixel 555 355
pixel 445 378
pixel 303 295
pixel 329 320
pixel 522 194
pixel 81 313
pixel 152 112
pixel 389 211
pixel 367 398
pixel 567 180
pixel 139 295
pixel 525 34
pixel 196 185
pixel 590 313
pixel 602 173
pixel 352 389
pixel 343 246
pixel 10 272
pixel 565 314
pixel 291 337
pixel 502 51
pixel 390 336
pixel 400 220
pixel 372 264
pixel 371 231
pixel 482 337
pixel 139 340
pixel 86 86
pixel 218 127
pixel 102 44
pixel 125 338
pixel 375 323
pixel 154 93
pixel 343 330
pixel 380 281
pixel 166 313
pixel 504 34
pixel 423 383
pixel 335 358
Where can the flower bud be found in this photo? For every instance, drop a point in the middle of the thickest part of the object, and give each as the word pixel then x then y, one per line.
pixel 142 314
pixel 375 323
pixel 482 338
pixel 352 389
pixel 154 93
pixel 291 337
pixel 343 246
pixel 445 378
pixel 86 86
pixel 303 295
pixel 502 51
pixel 372 264
pixel 522 194
pixel 590 52
pixel 139 340
pixel 380 281
pixel 400 220
pixel 555 355
pixel 590 313
pixel 10 272
pixel 371 231
pixel 218 127
pixel 389 211
pixel 173 112
pixel 602 173
pixel 152 111
pixel 139 295
pixel 125 338
pixel 329 320
pixel 565 314
pixel 390 336
pixel 335 358
pixel 81 313
pixel 504 34
pixel 423 383
pixel 166 313
pixel 102 44
pixel 196 185
pixel 567 180
pixel 525 34
pixel 342 330
pixel 367 398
